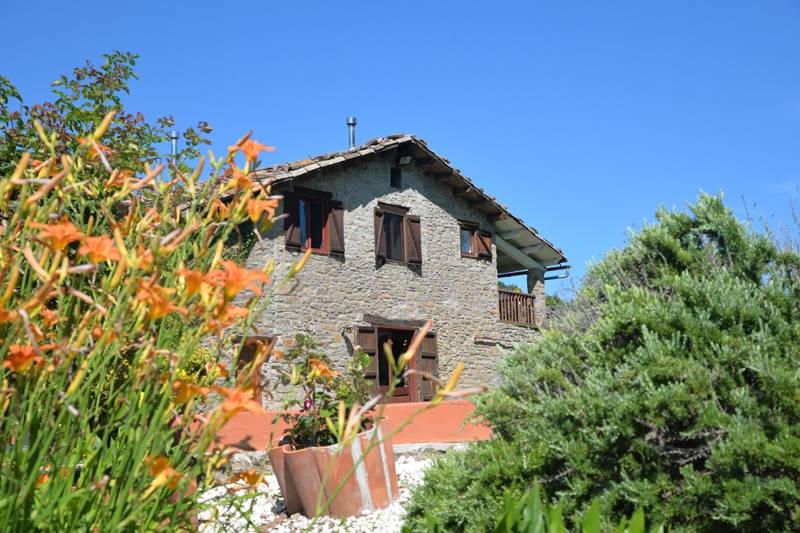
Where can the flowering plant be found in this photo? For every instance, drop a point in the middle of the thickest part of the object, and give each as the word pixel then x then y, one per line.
pixel 323 393
pixel 111 274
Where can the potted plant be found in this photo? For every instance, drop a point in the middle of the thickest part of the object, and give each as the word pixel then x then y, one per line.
pixel 324 464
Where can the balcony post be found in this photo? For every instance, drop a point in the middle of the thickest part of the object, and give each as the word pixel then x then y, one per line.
pixel 536 288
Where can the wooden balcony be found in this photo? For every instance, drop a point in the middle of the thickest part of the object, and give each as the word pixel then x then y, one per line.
pixel 516 307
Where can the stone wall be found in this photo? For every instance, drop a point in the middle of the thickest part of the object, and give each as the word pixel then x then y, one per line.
pixel 332 294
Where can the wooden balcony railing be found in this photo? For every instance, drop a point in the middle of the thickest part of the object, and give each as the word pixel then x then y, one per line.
pixel 516 307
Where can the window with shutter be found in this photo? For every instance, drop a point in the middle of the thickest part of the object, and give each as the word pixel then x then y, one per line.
pixel 474 242
pixel 397 235
pixel 367 341
pixel 313 221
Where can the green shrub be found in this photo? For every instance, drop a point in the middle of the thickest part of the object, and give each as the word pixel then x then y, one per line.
pixel 528 514
pixel 671 384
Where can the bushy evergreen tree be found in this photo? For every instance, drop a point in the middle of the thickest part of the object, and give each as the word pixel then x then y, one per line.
pixel 671 383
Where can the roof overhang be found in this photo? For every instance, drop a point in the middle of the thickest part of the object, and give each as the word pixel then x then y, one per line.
pixel 520 247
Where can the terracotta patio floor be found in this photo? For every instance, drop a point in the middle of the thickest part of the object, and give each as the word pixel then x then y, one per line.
pixel 442 424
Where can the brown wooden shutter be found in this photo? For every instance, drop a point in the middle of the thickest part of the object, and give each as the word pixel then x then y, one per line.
pixel 428 362
pixel 291 224
pixel 367 339
pixel 412 239
pixel 380 236
pixel 336 227
pixel 483 241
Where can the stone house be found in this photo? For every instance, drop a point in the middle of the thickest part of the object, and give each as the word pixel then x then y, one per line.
pixel 399 237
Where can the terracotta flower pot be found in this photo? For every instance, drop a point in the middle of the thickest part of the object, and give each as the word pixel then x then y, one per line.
pixel 277 458
pixel 372 485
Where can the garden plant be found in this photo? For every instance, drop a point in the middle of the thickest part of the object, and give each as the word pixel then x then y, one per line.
pixel 670 384
pixel 111 275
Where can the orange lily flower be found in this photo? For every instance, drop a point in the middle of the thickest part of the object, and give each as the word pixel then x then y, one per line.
pixel 96 148
pixel 186 391
pixel 226 315
pixel 194 280
pixel 100 249
pixel 51 318
pixel 144 258
pixel 250 477
pixel 321 368
pixel 21 358
pixel 237 401
pixel 8 315
pixel 222 210
pixel 163 473
pixel 252 148
pixel 237 279
pixel 256 207
pixel 59 235
pixel 239 180
pixel 157 300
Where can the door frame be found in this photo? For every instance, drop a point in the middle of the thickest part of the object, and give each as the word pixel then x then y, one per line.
pixel 412 382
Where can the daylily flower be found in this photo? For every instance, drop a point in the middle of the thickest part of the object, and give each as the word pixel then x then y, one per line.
pixel 96 148
pixel 157 300
pixel 20 358
pixel 194 280
pixel 239 180
pixel 256 207
pixel 237 279
pixel 100 249
pixel 144 258
pixel 51 318
pixel 250 477
pixel 221 209
pixel 59 235
pixel 163 473
pixel 225 315
pixel 321 368
pixel 186 391
pixel 8 315
pixel 237 400
pixel 252 148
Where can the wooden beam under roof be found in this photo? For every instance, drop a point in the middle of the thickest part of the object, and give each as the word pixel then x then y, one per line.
pixel 515 234
pixel 516 254
pixel 461 191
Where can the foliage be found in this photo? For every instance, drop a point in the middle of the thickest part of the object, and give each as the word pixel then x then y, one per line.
pixel 528 514
pixel 324 392
pixel 671 384
pixel 80 103
pixel 108 282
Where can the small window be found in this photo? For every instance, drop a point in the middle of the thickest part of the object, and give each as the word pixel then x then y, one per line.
pixel 397 235
pixel 467 242
pixel 313 221
pixel 393 232
pixel 396 178
pixel 475 242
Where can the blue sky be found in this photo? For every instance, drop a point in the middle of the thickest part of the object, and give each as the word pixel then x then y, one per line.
pixel 581 117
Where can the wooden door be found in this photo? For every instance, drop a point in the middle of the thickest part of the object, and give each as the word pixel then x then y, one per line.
pixel 428 364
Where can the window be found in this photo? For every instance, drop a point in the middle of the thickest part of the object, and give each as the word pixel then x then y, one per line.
pixel 313 221
pixel 396 178
pixel 475 242
pixel 397 235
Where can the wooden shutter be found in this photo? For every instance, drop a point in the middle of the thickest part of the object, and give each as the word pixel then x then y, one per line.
pixel 291 224
pixel 367 339
pixel 483 244
pixel 380 236
pixel 412 239
pixel 428 362
pixel 336 227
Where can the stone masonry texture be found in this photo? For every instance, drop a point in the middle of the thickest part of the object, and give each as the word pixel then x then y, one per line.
pixel 332 294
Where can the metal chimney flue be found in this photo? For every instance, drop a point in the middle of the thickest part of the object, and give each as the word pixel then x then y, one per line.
pixel 351 126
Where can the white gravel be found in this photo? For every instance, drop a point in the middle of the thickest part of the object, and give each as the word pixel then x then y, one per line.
pixel 266 510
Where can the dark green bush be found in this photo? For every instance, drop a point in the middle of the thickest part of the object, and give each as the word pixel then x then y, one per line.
pixel 671 384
